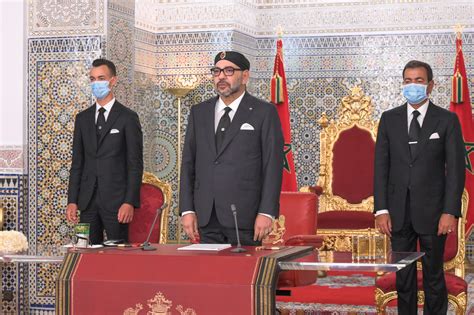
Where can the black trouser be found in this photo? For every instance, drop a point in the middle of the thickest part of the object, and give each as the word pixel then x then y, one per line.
pixel 100 218
pixel 434 285
pixel 215 233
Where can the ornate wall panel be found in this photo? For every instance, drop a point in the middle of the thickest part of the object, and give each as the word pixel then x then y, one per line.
pixel 120 46
pixel 260 18
pixel 11 159
pixel 63 18
pixel 58 88
pixel 13 198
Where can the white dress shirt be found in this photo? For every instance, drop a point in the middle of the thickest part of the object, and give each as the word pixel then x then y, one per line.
pixel 422 110
pixel 107 107
pixel 219 110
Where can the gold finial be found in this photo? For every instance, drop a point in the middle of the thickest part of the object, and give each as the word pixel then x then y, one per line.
pixel 279 31
pixel 356 90
pixel 458 28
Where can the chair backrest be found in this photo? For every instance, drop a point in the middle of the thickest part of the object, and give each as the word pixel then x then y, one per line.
pixel 298 216
pixel 1 219
pixel 347 146
pixel 153 193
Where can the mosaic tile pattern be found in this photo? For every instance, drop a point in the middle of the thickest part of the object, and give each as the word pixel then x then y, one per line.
pixel 262 18
pixel 61 18
pixel 58 89
pixel 12 199
pixel 120 46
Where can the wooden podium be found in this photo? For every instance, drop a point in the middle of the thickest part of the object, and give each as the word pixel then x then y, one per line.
pixel 167 281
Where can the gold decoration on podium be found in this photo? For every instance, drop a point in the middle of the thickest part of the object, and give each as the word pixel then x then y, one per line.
pixel 159 305
pixel 181 86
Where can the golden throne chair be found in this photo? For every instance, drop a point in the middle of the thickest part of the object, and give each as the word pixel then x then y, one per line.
pixel 153 194
pixel 345 184
pixel 454 267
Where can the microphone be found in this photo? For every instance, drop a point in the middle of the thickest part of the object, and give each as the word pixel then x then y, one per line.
pixel 146 245
pixel 239 248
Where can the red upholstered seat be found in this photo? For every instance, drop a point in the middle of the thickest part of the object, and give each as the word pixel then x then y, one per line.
pixel 300 212
pixel 346 220
pixel 455 285
pixel 353 165
pixel 151 199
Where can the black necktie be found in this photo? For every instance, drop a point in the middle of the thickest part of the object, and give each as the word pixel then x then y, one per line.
pixel 222 127
pixel 100 124
pixel 414 132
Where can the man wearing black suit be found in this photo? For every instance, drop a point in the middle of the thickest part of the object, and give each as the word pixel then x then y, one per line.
pixel 418 183
pixel 107 161
pixel 233 154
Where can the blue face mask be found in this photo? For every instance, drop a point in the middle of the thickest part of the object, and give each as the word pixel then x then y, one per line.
pixel 415 93
pixel 100 89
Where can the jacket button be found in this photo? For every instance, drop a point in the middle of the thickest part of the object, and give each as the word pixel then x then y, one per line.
pixel 411 165
pixel 216 162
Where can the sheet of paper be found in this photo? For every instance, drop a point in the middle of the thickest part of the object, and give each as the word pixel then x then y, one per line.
pixel 211 247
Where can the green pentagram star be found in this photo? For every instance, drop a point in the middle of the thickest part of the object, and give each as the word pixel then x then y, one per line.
pixel 286 151
pixel 469 147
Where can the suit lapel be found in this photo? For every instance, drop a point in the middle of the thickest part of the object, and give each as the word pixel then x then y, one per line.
pixel 209 114
pixel 403 122
pixel 90 121
pixel 114 114
pixel 240 117
pixel 429 124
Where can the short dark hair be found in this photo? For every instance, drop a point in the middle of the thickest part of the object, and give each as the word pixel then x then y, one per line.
pixel 419 64
pixel 104 62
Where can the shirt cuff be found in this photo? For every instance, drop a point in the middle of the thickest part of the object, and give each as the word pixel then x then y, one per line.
pixel 379 212
pixel 267 215
pixel 187 212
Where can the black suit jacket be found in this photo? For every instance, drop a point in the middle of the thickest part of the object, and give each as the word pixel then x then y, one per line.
pixel 434 176
pixel 247 170
pixel 115 161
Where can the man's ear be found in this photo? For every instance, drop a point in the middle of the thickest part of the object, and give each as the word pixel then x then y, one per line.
pixel 113 81
pixel 430 87
pixel 245 77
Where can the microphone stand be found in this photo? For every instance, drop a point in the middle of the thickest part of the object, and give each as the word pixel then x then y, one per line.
pixel 146 245
pixel 239 248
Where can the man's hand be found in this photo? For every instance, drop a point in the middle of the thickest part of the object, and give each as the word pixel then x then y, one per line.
pixel 125 213
pixel 190 226
pixel 71 213
pixel 447 224
pixel 263 227
pixel 384 224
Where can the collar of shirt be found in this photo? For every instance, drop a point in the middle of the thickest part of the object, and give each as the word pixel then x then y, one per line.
pixel 219 109
pixel 422 110
pixel 108 108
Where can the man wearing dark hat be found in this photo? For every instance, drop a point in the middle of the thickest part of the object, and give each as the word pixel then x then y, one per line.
pixel 233 155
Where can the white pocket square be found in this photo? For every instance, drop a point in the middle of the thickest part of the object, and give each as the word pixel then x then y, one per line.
pixel 434 136
pixel 114 131
pixel 247 126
